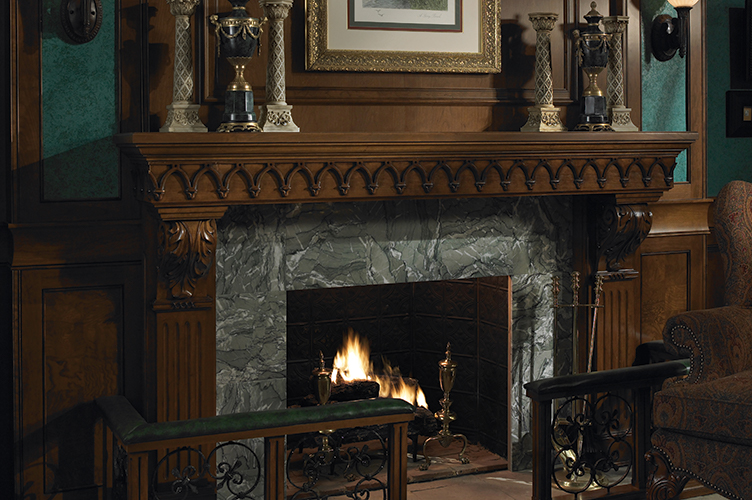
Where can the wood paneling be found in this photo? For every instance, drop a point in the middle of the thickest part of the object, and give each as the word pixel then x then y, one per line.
pixel 666 289
pixel 618 333
pixel 672 270
pixel 72 348
pixel 376 101
pixel 82 336
pixel 25 194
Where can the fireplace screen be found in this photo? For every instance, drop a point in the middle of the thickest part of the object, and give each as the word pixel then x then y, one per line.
pixel 409 325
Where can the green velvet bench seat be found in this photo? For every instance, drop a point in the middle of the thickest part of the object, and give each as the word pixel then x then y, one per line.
pixel 139 438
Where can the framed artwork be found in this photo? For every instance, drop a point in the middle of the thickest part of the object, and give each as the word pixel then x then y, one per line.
pixel 439 36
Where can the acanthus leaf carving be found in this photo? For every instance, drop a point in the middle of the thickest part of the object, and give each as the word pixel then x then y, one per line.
pixel 186 254
pixel 620 229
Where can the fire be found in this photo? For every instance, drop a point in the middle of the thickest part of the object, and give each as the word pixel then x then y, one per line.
pixel 353 362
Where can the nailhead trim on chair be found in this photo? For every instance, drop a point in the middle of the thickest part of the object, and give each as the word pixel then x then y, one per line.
pixel 695 476
pixel 691 358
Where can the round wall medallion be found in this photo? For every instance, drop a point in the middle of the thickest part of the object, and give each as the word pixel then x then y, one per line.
pixel 81 19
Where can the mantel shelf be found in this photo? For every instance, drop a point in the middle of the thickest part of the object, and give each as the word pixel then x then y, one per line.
pixel 201 171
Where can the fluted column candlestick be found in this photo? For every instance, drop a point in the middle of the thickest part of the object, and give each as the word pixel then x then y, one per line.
pixel 276 114
pixel 182 114
pixel 543 117
pixel 619 114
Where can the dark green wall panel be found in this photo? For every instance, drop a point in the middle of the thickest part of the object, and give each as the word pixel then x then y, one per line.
pixel 79 111
pixel 729 158
pixel 663 85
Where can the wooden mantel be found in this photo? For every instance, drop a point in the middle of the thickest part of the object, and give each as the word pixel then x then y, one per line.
pixel 213 170
pixel 191 179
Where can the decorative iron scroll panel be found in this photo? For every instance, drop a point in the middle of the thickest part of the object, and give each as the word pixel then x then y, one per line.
pixel 231 468
pixel 354 457
pixel 591 445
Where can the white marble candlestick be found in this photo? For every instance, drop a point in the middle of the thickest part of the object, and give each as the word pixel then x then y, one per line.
pixel 543 117
pixel 276 114
pixel 182 114
pixel 619 115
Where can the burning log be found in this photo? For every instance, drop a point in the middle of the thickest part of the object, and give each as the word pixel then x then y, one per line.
pixel 348 391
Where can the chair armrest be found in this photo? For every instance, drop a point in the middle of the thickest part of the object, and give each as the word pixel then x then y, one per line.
pixel 717 341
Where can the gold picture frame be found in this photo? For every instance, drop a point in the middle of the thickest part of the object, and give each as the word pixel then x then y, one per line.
pixel 345 49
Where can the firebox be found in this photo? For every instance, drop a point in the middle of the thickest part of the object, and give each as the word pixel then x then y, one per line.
pixel 409 325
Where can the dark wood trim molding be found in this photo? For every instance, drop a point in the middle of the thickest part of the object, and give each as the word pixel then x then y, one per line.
pixel 207 170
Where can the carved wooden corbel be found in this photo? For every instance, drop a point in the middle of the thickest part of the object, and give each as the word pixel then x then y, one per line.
pixel 186 254
pixel 619 231
pixel 663 484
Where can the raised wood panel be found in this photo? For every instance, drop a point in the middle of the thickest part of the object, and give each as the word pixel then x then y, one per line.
pixel 83 336
pixel 673 279
pixel 72 347
pixel 665 290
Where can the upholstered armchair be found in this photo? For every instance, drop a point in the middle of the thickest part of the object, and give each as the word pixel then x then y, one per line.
pixel 703 422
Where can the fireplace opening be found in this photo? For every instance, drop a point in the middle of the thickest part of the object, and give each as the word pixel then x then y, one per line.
pixel 409 325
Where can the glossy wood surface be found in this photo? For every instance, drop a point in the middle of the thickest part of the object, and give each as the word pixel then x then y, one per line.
pixel 53 245
pixel 193 170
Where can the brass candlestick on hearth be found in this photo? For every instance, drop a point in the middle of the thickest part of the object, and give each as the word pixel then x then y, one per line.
pixel 322 389
pixel 447 374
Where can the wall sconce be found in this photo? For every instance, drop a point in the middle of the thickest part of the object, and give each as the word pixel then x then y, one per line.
pixel 670 34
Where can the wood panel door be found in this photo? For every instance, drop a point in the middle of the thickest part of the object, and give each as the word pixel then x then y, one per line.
pixel 79 339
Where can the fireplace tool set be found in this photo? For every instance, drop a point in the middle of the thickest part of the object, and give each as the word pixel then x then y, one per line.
pixel 588 433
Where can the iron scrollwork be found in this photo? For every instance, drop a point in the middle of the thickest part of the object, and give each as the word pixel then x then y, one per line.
pixel 590 441
pixel 237 471
pixel 360 462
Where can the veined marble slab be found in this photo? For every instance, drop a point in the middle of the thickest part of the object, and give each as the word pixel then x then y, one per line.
pixel 263 251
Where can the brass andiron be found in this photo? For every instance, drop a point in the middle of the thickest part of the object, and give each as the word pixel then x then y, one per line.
pixel 447 374
pixel 322 382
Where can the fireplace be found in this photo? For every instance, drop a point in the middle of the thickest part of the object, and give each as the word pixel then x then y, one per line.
pixel 409 325
pixel 264 252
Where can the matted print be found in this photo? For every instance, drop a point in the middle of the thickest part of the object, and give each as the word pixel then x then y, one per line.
pixel 440 36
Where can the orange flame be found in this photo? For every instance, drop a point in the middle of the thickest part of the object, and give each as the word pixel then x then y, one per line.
pixel 353 362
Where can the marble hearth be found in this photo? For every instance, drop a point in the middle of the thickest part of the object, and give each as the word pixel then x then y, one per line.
pixel 264 251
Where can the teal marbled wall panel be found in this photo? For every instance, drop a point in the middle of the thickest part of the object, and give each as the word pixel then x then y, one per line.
pixel 663 85
pixel 728 157
pixel 79 111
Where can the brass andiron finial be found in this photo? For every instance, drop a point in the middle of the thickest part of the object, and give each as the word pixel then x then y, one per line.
pixel 322 382
pixel 447 374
